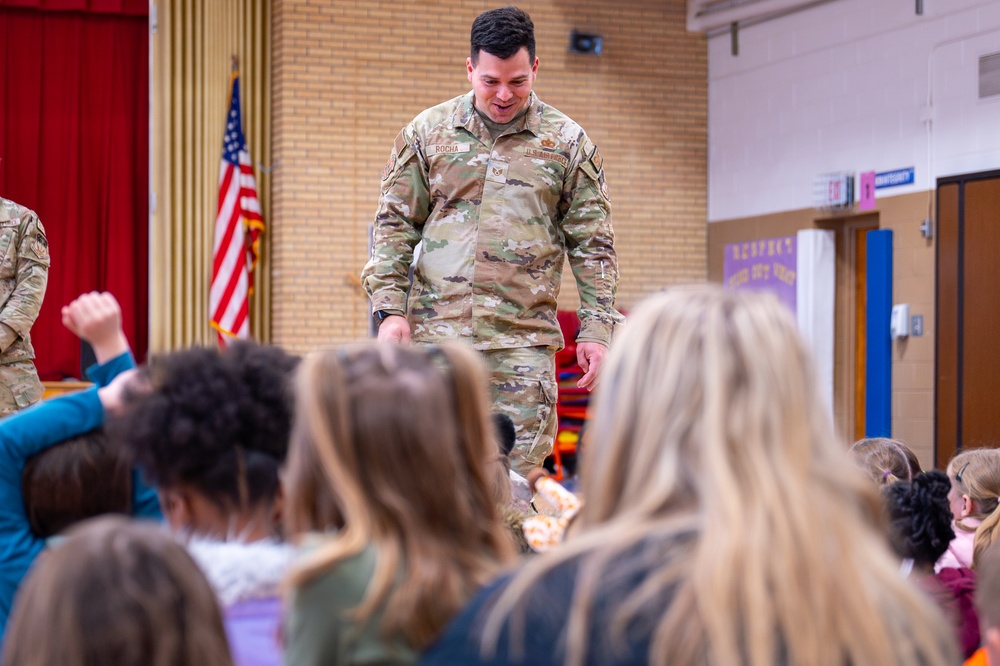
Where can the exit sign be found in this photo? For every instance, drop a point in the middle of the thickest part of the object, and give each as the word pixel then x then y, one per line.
pixel 833 191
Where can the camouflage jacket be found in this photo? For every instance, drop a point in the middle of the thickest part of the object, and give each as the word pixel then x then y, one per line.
pixel 493 221
pixel 24 271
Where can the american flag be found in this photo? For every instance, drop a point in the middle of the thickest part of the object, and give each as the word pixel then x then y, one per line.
pixel 237 227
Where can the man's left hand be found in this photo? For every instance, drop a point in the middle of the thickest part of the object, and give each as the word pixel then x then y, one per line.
pixel 589 355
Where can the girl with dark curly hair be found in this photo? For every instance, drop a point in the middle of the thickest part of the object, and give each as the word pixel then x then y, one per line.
pixel 920 531
pixel 209 429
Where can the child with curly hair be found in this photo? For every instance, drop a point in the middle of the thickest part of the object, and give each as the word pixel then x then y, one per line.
pixel 920 531
pixel 210 430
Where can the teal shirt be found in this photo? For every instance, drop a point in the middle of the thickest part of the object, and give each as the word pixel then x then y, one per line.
pixel 31 431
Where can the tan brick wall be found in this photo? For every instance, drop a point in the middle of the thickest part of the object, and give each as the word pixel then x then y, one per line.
pixel 349 74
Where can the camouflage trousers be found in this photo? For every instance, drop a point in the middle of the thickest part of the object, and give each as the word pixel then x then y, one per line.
pixel 523 386
pixel 19 386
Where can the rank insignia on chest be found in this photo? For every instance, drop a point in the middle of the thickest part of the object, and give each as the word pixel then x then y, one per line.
pixel 496 171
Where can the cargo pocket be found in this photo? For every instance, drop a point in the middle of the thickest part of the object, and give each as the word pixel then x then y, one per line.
pixel 543 436
pixel 27 392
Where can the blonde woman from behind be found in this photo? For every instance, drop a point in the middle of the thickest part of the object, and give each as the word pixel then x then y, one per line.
pixel 723 523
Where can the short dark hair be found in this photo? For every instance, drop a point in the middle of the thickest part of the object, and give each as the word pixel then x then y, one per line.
pixel 506 435
pixel 82 477
pixel 502 33
pixel 919 517
pixel 217 421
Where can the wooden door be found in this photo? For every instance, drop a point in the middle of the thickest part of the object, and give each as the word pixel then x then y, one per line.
pixel 967 386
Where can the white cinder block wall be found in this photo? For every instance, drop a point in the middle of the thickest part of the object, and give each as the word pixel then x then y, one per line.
pixel 849 85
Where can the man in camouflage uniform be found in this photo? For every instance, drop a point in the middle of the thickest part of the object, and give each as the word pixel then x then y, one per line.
pixel 24 271
pixel 496 188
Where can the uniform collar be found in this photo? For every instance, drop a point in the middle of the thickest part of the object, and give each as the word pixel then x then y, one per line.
pixel 466 117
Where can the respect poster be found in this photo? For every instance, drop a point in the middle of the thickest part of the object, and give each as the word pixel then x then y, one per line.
pixel 766 265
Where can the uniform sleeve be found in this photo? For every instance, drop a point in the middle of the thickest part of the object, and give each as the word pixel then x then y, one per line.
pixel 403 206
pixel 590 244
pixel 32 271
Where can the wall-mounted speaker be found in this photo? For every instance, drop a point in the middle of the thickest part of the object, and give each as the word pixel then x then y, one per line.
pixel 586 43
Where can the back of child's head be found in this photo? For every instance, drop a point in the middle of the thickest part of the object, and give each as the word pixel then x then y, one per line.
pixel 919 517
pixel 82 477
pixel 393 447
pixel 988 589
pixel 885 460
pixel 214 421
pixel 506 436
pixel 394 429
pixel 975 473
pixel 116 592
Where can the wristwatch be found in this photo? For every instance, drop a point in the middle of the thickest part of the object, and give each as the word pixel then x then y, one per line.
pixel 382 314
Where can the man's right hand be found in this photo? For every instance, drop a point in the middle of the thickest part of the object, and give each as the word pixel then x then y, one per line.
pixel 394 328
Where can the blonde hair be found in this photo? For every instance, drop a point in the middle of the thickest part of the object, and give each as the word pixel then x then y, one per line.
pixel 710 445
pixel 987 586
pixel 393 446
pixel 976 473
pixel 116 592
pixel 885 460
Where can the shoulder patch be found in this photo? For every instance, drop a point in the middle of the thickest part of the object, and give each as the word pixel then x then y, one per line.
pixel 596 159
pixel 389 166
pixel 399 145
pixel 40 246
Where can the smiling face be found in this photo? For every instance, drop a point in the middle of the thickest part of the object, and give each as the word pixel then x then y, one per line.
pixel 502 87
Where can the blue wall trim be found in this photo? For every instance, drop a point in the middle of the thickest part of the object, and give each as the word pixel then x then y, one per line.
pixel 878 361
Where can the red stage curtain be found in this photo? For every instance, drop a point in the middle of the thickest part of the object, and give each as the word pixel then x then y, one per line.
pixel 74 143
pixel 122 7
